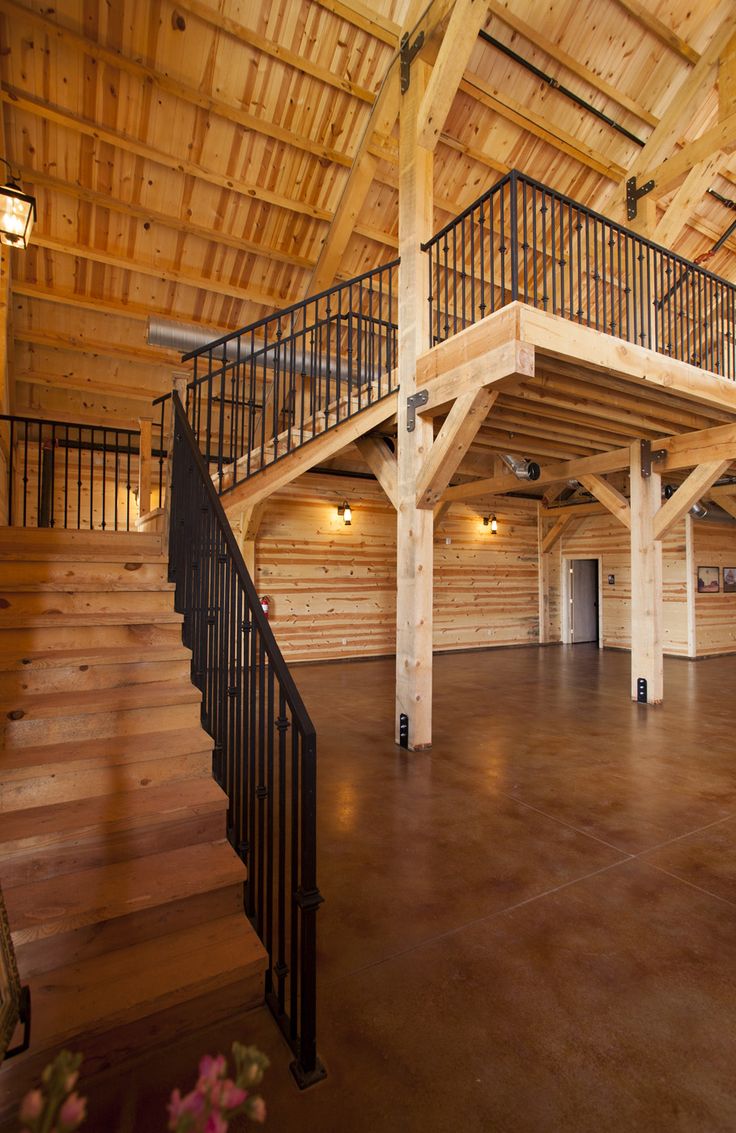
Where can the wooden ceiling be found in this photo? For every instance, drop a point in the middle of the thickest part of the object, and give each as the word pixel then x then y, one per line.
pixel 210 162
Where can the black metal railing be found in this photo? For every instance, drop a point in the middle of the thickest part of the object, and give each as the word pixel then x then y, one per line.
pixel 264 742
pixel 259 393
pixel 71 475
pixel 524 241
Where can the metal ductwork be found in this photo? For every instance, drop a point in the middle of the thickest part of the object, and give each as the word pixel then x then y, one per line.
pixel 697 511
pixel 185 337
pixel 522 469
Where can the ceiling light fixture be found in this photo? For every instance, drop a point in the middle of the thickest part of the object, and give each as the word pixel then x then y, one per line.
pixel 17 211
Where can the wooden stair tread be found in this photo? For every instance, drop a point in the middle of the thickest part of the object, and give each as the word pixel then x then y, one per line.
pixel 119 986
pixel 73 618
pixel 119 889
pixel 75 703
pixel 83 575
pixel 109 750
pixel 34 659
pixel 40 826
pixel 55 543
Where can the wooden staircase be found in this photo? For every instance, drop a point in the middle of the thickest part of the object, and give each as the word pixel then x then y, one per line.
pixel 124 898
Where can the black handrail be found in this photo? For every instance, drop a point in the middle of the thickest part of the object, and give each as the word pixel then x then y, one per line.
pixel 259 393
pixel 71 475
pixel 522 241
pixel 265 744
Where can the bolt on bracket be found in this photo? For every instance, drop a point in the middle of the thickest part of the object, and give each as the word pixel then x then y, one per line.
pixel 634 195
pixel 421 397
pixel 408 53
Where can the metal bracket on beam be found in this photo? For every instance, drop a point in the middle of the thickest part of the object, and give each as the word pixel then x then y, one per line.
pixel 408 53
pixel 648 455
pixel 634 195
pixel 421 397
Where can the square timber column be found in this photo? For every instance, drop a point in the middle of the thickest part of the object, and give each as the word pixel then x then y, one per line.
pixel 414 547
pixel 646 583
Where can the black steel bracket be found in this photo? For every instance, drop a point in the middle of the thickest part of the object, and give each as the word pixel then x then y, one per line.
pixel 421 397
pixel 648 455
pixel 408 53
pixel 634 195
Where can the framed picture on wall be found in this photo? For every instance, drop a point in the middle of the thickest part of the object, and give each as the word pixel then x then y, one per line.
pixel 729 580
pixel 709 580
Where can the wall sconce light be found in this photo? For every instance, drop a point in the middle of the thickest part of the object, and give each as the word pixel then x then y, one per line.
pixel 492 522
pixel 17 212
pixel 345 511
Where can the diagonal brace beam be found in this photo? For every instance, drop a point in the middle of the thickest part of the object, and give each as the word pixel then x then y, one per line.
pixel 609 496
pixel 697 483
pixel 451 444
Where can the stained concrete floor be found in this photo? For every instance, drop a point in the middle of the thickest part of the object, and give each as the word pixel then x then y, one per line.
pixel 529 929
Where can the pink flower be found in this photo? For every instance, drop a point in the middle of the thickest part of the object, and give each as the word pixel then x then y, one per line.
pixel 227 1095
pixel 216 1123
pixel 70 1081
pixel 73 1111
pixel 210 1069
pixel 257 1110
pixel 31 1106
pixel 192 1105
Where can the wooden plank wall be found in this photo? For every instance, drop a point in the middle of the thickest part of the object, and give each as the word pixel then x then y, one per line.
pixel 603 536
pixel 714 544
pixel 333 588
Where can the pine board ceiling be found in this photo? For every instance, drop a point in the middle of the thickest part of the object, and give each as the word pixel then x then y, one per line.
pixel 202 161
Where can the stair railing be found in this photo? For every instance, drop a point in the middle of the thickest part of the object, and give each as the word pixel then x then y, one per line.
pixel 522 241
pixel 78 476
pixel 264 741
pixel 261 392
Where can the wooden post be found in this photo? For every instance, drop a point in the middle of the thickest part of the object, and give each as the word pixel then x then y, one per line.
pixel 646 582
pixel 543 581
pixel 179 385
pixel 414 526
pixel 145 460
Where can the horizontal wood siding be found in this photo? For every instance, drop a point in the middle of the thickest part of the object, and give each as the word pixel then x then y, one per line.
pixel 714 544
pixel 604 536
pixel 333 588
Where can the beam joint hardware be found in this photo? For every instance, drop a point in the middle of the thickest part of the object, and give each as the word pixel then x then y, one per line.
pixel 648 455
pixel 408 53
pixel 634 195
pixel 421 397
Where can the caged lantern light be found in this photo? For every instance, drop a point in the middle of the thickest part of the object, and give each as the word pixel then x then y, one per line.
pixel 17 212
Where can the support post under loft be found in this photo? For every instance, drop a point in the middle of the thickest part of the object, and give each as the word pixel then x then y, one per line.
pixel 646 584
pixel 414 546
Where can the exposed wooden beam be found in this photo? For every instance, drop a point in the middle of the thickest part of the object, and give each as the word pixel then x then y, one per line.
pixel 382 463
pixel 555 533
pixel 643 16
pixel 230 111
pixel 216 19
pixel 715 143
pixel 186 227
pixel 728 503
pixel 363 17
pixel 674 121
pixel 646 582
pixel 466 20
pixel 702 447
pixel 539 126
pixel 553 474
pixel 501 367
pixel 78 343
pixel 696 485
pixel 115 138
pixel 501 9
pixel 609 496
pixel 451 443
pixel 687 198
pixel 157 271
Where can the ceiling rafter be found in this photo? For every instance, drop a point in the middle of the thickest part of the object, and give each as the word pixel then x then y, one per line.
pixel 82 125
pixel 139 212
pixel 156 271
pixel 222 23
pixel 230 111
